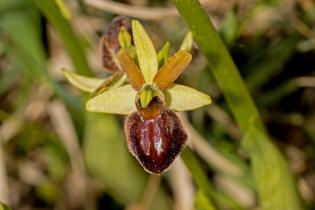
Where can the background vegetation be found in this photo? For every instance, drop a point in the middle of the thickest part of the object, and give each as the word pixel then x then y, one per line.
pixel 55 155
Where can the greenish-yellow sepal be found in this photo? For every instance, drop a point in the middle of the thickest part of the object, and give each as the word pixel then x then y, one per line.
pixel 120 100
pixel 87 84
pixel 182 98
pixel 147 57
pixel 111 82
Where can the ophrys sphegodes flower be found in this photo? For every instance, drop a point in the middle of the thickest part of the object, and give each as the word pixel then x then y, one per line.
pixel 155 135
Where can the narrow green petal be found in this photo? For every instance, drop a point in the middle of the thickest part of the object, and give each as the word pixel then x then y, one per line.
pixel 146 53
pixel 115 101
pixel 124 38
pixel 182 98
pixel 87 84
pixel 188 42
pixel 163 54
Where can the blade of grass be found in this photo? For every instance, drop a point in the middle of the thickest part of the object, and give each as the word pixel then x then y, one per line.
pixel 270 167
pixel 52 12
pixel 238 98
pixel 198 174
pixel 220 61
pixel 27 51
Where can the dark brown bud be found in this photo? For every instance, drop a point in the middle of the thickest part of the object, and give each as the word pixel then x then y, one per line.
pixel 155 142
pixel 108 56
pixel 114 29
pixel 110 44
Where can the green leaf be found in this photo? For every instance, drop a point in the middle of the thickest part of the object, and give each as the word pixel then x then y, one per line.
pixel 120 100
pixel 271 172
pixel 163 54
pixel 219 61
pixel 108 159
pixel 182 98
pixel 146 53
pixel 202 202
pixel 233 87
pixel 188 42
pixel 51 11
pixel 87 84
pixel 26 49
pixel 63 9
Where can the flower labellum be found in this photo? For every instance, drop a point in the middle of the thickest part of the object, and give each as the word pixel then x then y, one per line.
pixel 155 135
pixel 155 142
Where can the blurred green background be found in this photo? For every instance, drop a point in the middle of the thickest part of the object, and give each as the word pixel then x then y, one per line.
pixel 55 155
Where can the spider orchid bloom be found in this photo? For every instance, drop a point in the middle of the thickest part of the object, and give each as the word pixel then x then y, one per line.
pixel 154 133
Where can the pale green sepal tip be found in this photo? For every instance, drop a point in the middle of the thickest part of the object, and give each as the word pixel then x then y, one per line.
pixel 147 57
pixel 120 100
pixel 145 96
pixel 188 42
pixel 182 98
pixel 87 84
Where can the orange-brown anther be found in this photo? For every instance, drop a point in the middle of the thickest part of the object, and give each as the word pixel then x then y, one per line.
pixel 169 72
pixel 128 65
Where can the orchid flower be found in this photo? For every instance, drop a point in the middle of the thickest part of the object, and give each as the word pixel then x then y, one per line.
pixel 155 135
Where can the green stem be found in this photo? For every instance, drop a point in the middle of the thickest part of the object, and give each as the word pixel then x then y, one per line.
pixel 282 186
pixel 198 174
pixel 220 62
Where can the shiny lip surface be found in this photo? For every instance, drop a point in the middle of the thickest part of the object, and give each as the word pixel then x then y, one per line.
pixel 155 142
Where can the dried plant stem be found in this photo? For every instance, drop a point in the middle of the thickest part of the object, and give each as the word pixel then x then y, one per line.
pixel 207 151
pixel 183 188
pixel 150 191
pixel 223 118
pixel 65 130
pixel 133 11
pixel 305 81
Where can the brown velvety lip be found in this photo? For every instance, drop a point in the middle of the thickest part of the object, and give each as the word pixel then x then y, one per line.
pixel 156 142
